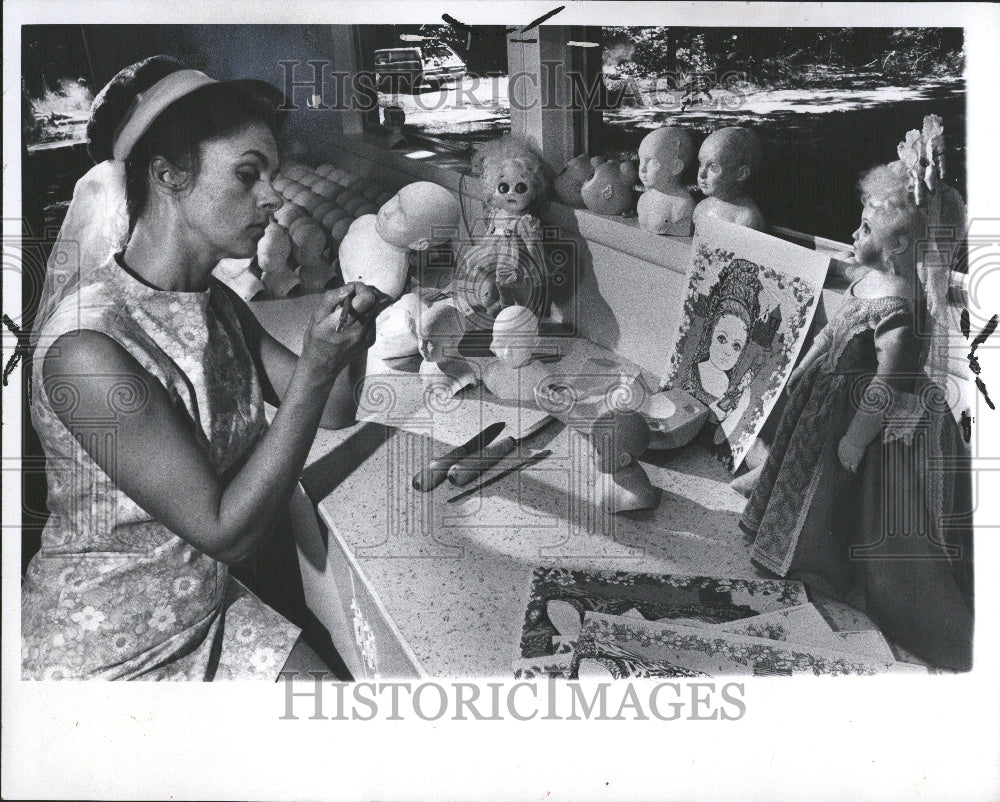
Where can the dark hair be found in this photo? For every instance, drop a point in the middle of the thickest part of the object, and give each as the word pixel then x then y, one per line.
pixel 112 102
pixel 208 112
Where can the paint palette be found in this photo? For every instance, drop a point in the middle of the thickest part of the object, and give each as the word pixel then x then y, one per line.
pixel 674 418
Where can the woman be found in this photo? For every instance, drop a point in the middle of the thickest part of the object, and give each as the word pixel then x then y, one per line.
pixel 150 378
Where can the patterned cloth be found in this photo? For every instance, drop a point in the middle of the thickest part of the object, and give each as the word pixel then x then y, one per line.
pixel 113 594
pixel 894 538
pixel 506 266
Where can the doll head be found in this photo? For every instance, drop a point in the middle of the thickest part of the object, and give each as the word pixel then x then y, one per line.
pixel 891 221
pixel 619 439
pixel 663 155
pixel 515 335
pixel 733 306
pixel 438 331
pixel 514 175
pixel 727 160
pixel 417 216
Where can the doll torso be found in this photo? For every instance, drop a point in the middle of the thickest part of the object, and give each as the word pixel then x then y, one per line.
pixel 666 213
pixel 742 212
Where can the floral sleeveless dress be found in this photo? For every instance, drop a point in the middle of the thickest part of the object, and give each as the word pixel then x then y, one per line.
pixel 113 594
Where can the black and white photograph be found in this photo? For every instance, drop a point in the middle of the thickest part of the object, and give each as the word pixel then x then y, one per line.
pixel 411 396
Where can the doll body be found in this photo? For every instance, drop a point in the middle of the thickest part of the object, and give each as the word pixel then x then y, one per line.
pixel 665 207
pixel 846 483
pixel 505 265
pixel 727 160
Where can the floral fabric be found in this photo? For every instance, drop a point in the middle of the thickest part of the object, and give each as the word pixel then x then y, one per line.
pixel 113 594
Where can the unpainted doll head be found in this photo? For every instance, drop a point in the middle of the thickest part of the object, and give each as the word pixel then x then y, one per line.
pixel 619 439
pixel 728 158
pixel 439 330
pixel 417 216
pixel 515 335
pixel 663 155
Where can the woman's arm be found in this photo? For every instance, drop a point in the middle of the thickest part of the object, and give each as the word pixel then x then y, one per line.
pixel 279 363
pixel 152 456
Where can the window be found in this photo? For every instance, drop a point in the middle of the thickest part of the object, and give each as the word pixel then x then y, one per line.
pixel 827 104
pixel 450 84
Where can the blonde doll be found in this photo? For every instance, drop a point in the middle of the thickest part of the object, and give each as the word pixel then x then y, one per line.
pixel 852 499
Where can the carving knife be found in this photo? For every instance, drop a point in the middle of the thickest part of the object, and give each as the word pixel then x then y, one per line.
pixel 474 465
pixel 534 458
pixel 435 473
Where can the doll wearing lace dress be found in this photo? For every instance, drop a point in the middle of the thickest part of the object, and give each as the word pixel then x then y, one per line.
pixel 850 500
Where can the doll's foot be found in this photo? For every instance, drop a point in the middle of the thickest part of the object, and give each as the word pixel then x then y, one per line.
pixel 745 484
pixel 757 455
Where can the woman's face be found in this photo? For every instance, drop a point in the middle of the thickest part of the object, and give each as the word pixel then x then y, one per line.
pixel 231 200
pixel 728 340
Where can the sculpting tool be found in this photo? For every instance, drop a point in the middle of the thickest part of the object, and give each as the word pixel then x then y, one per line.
pixel 435 473
pixel 345 309
pixel 475 465
pixel 503 474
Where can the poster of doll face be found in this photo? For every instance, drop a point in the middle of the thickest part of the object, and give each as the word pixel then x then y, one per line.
pixel 749 304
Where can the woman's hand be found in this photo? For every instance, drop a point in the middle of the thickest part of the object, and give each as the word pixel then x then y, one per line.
pixel 341 327
pixel 850 455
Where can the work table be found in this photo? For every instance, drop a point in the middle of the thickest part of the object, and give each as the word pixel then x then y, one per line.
pixel 439 589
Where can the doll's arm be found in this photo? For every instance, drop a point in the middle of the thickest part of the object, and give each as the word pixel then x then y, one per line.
pixel 898 361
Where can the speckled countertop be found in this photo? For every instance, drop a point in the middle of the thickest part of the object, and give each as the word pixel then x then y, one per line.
pixel 454 578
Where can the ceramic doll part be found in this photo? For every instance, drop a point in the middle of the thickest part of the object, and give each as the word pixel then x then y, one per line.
pixel 396 328
pixel 569 183
pixel 515 336
pixel 674 417
pixel 727 160
pixel 665 207
pixel 611 190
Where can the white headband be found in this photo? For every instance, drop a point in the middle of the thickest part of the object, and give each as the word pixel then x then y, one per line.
pixel 148 105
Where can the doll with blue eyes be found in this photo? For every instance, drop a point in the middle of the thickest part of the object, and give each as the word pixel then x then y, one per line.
pixel 506 264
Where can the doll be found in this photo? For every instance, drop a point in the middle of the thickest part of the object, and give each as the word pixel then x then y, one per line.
pixel 375 249
pixel 727 160
pixel 505 266
pixel 867 463
pixel 733 309
pixel 666 206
